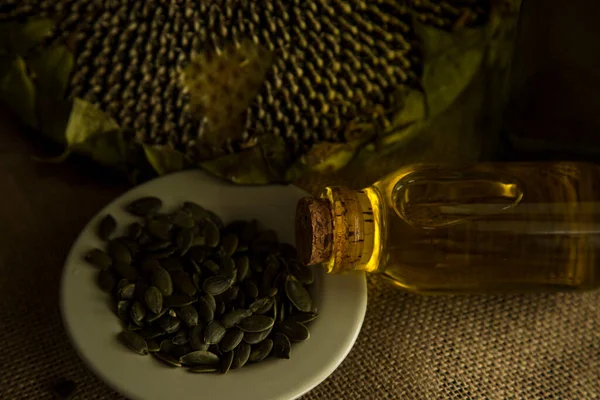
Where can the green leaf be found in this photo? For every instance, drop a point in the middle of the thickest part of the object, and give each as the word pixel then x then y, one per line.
pixel 92 133
pixel 164 159
pixel 328 157
pixel 108 148
pixel 87 121
pixel 52 70
pixel 451 60
pixel 18 92
pixel 17 38
pixel 266 162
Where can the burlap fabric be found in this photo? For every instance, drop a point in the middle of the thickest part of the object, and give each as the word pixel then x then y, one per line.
pixel 410 347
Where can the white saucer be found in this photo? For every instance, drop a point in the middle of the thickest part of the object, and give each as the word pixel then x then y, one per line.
pixel 92 327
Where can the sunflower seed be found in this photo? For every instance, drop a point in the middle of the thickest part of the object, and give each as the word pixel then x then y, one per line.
pixel 140 291
pixel 214 332
pixel 131 245
pixel 98 258
pixel 153 345
pixel 134 230
pixel 215 219
pixel 211 301
pixel 127 292
pixel 261 351
pixel 167 261
pixel 119 252
pixel 214 348
pixel 230 341
pixel 217 284
pixel 126 271
pixel 220 309
pixel 135 342
pixel 200 358
pixel 161 279
pixel 212 267
pixel 256 323
pixel 228 268
pixel 197 254
pixel 151 332
pixel 197 212
pixel 260 304
pixel 138 312
pixel 242 265
pixel 159 254
pixel 107 227
pixel 226 362
pixel 230 294
pixel 106 280
pixel 167 359
pixel 184 240
pixel 254 338
pixel 154 299
pixel 280 279
pixel 202 369
pixel 241 355
pixel 123 309
pixel 303 317
pixel 182 219
pixel 304 274
pixel 171 264
pixel 230 244
pixel 159 229
pixel 144 206
pixel 169 324
pixel 180 338
pixel 188 314
pixel 269 274
pixel 179 351
pixel 205 310
pixel 157 245
pixel 234 317
pixel 211 233
pixel 153 317
pixel 282 347
pixel 298 295
pixel 295 331
pixel 184 282
pixel 179 300
pixel 197 338
pixel 251 289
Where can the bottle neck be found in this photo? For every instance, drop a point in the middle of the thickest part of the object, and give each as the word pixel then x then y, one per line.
pixel 341 230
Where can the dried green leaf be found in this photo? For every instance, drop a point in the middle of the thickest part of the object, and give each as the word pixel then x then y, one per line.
pixel 451 60
pixel 86 121
pixel 20 37
pixel 18 92
pixel 164 159
pixel 52 70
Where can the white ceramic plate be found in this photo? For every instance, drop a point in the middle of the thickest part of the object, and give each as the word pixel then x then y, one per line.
pixel 92 327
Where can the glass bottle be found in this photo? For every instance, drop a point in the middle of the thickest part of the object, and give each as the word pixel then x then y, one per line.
pixel 437 229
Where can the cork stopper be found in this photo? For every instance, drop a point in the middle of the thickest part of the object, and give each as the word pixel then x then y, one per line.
pixel 314 230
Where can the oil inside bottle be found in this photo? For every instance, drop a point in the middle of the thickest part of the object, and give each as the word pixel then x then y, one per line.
pixel 489 227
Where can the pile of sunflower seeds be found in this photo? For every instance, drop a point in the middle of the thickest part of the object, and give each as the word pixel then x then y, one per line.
pixel 197 294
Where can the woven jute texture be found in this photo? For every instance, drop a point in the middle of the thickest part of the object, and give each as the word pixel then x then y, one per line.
pixel 411 347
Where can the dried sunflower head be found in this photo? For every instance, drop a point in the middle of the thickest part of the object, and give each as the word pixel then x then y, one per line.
pixel 211 78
